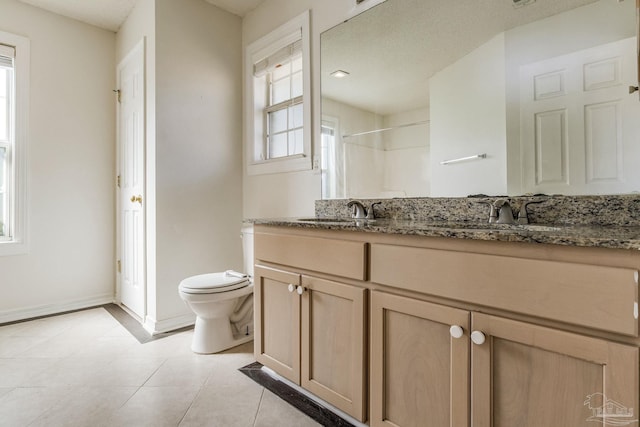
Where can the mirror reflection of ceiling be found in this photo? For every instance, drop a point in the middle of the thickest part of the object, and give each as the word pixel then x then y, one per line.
pixel 418 38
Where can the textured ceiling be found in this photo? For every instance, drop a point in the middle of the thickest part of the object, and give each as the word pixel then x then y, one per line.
pixel 237 7
pixel 394 48
pixel 110 14
pixel 107 14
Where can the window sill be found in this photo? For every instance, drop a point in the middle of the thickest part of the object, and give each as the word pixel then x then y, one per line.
pixel 13 247
pixel 285 164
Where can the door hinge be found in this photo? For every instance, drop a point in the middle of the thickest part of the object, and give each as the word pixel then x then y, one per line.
pixel 119 266
pixel 119 95
pixel 118 181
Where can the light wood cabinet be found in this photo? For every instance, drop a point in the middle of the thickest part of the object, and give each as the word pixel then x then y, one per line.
pixel 526 375
pixel 543 335
pixel 333 344
pixel 419 371
pixel 518 374
pixel 277 321
pixel 312 332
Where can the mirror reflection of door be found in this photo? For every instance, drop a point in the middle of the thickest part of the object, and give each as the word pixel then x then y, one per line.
pixel 579 135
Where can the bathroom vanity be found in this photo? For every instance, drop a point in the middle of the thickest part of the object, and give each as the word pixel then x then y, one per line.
pixel 413 323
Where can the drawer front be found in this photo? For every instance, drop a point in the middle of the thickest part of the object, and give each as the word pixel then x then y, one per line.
pixel 594 296
pixel 338 257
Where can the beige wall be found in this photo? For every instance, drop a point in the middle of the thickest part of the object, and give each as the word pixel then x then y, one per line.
pixel 141 25
pixel 70 170
pixel 198 146
pixel 292 194
pixel 193 156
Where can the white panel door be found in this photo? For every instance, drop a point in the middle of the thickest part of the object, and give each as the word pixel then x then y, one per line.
pixel 131 145
pixel 580 129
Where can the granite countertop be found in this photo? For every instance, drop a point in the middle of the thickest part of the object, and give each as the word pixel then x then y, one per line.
pixel 603 236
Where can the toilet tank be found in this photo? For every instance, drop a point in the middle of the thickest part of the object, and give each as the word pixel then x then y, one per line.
pixel 247 248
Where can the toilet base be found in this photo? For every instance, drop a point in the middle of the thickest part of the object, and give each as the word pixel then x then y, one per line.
pixel 214 335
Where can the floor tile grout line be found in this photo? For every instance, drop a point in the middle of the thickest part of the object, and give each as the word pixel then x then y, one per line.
pixel 155 371
pixel 255 418
pixel 190 405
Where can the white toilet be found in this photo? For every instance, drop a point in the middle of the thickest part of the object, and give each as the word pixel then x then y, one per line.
pixel 222 303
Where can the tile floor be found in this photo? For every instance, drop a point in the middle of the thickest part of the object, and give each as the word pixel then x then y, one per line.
pixel 85 369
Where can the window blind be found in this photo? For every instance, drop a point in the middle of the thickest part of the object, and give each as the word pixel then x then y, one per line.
pixel 7 54
pixel 284 54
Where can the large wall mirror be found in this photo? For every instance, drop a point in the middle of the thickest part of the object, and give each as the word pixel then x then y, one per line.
pixel 448 98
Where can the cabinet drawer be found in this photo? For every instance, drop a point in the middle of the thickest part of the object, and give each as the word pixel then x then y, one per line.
pixel 594 296
pixel 338 257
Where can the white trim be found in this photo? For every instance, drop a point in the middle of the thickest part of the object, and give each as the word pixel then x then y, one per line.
pixel 19 243
pixel 48 309
pixel 255 51
pixel 138 49
pixel 154 326
pixel 362 7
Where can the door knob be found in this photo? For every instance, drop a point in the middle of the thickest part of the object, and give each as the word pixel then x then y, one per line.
pixel 291 288
pixel 633 89
pixel 456 331
pixel 136 199
pixel 300 290
pixel 478 337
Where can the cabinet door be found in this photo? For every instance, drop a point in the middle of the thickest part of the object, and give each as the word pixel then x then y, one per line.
pixel 419 371
pixel 333 344
pixel 277 321
pixel 525 375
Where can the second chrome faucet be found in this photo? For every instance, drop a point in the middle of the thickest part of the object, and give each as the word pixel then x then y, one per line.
pixel 359 211
pixel 502 213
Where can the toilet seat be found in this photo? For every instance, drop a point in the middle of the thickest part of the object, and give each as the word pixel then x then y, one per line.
pixel 212 283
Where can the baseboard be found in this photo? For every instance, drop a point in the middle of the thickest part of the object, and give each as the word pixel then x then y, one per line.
pixel 49 309
pixel 154 326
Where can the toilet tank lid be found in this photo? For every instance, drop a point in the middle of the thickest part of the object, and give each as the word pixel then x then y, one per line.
pixel 215 282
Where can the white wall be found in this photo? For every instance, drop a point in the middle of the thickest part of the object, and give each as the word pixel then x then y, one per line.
pixel 198 146
pixel 141 25
pixel 407 156
pixel 471 91
pixel 71 152
pixel 194 146
pixel 292 194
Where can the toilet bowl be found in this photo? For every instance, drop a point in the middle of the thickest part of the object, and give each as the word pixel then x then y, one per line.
pixel 222 303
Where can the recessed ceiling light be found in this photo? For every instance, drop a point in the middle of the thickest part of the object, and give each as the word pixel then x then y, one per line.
pixel 520 3
pixel 338 74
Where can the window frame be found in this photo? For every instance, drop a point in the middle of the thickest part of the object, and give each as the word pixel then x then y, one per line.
pixel 257 102
pixel 17 243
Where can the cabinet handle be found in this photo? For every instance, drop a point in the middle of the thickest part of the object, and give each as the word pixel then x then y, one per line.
pixel 478 337
pixel 291 288
pixel 456 331
pixel 300 290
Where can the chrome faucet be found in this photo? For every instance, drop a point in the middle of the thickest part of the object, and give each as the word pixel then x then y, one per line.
pixel 502 213
pixel 360 212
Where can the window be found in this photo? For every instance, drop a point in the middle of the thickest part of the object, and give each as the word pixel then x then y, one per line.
pixel 279 86
pixel 332 155
pixel 7 54
pixel 14 72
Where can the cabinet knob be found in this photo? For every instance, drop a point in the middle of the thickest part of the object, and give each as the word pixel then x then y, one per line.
pixel 300 290
pixel 291 288
pixel 456 331
pixel 478 337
